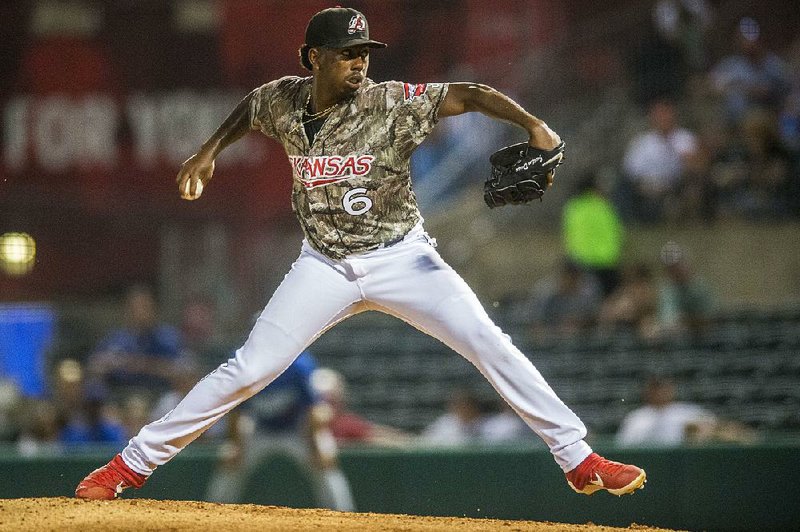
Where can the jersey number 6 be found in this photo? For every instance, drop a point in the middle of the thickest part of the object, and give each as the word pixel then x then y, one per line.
pixel 355 202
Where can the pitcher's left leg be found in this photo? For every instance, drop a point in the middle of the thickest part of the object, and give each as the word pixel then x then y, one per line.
pixel 416 285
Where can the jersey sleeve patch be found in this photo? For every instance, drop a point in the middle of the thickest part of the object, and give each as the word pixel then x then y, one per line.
pixel 413 90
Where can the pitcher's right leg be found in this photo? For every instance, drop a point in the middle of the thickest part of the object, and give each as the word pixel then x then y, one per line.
pixel 314 294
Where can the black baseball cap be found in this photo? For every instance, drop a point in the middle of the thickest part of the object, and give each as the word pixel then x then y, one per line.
pixel 336 27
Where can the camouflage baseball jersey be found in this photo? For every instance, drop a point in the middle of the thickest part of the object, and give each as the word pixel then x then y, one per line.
pixel 351 187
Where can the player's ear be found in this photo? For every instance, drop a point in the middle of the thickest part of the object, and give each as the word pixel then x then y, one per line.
pixel 303 53
pixel 314 57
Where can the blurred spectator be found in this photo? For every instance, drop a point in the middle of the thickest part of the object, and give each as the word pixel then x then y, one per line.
pixel 753 173
pixel 634 303
pixel 752 77
pixel 789 125
pixel 347 426
pixel 460 425
pixel 452 144
pixel 140 355
pixel 9 411
pixel 789 121
pixel 286 417
pixel 662 421
pixel 82 411
pixel 68 383
pixel 686 23
pixel 432 152
pixel 685 300
pixel 663 169
pixel 566 303
pixel 472 420
pixel 503 425
pixel 593 233
pixel 39 432
pixel 92 424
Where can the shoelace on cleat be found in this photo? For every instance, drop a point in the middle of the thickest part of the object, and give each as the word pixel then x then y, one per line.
pixel 608 466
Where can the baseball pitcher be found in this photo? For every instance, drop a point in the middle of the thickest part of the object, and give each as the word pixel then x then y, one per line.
pixel 349 141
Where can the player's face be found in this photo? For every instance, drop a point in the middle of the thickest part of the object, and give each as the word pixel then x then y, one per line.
pixel 343 70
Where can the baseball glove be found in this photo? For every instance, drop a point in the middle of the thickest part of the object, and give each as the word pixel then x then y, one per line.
pixel 520 174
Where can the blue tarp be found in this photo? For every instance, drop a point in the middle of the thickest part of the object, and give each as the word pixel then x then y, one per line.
pixel 25 334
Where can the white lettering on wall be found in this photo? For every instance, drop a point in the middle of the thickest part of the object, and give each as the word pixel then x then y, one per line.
pixel 100 122
pixel 15 134
pixel 59 133
pixel 54 134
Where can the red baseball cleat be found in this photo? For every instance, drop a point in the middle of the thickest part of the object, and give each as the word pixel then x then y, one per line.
pixel 596 473
pixel 106 482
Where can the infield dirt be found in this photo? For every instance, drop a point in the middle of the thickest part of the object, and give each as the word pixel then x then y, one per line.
pixel 141 515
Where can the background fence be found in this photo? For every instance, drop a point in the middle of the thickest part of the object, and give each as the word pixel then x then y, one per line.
pixel 721 488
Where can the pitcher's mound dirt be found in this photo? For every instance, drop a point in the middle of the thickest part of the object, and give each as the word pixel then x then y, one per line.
pixel 141 515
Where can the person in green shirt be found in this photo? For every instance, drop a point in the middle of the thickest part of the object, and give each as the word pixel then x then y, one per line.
pixel 593 234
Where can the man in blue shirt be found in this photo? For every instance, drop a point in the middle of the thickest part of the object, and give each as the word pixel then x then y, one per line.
pixel 89 425
pixel 141 354
pixel 286 418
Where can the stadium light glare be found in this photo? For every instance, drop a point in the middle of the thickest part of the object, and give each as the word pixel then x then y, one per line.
pixel 17 253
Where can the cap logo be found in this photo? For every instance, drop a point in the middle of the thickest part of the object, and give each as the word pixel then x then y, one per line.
pixel 357 23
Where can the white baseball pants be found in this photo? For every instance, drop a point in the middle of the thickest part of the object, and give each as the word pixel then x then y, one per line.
pixel 408 280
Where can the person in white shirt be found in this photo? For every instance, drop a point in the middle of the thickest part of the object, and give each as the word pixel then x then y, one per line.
pixel 662 421
pixel 460 425
pixel 658 161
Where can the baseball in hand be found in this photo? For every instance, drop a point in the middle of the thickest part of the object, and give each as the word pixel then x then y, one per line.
pixel 188 189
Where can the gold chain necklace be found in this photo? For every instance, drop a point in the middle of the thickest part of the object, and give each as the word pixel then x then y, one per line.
pixel 314 116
